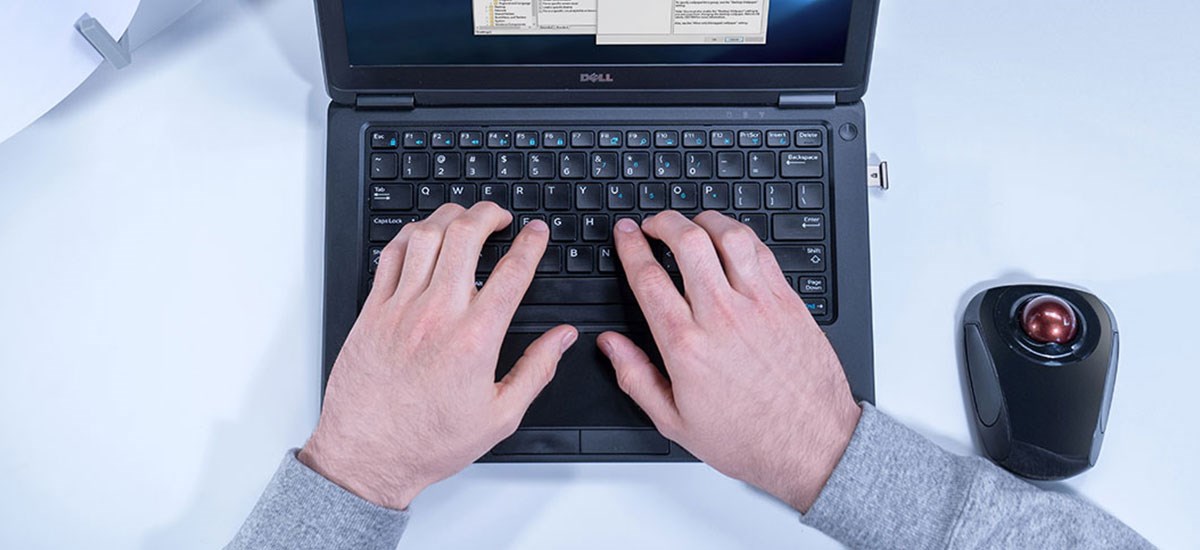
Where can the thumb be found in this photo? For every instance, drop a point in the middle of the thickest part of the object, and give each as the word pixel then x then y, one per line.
pixel 639 378
pixel 535 368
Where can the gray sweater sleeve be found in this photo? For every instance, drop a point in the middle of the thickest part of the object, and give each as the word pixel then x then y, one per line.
pixel 302 510
pixel 895 489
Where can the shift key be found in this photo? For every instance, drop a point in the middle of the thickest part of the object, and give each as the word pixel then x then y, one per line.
pixel 800 258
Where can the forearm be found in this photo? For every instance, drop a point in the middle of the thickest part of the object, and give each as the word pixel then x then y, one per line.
pixel 301 510
pixel 895 489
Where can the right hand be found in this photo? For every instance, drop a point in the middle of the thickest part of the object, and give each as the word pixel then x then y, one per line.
pixel 755 390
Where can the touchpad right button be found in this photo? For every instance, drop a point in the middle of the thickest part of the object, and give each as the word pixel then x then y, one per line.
pixel 623 442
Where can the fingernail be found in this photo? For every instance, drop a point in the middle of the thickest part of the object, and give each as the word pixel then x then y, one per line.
pixel 606 347
pixel 626 225
pixel 568 339
pixel 538 225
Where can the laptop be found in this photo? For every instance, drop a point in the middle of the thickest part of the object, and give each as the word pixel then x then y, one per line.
pixel 580 113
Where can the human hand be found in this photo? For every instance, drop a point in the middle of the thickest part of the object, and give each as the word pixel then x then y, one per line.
pixel 755 390
pixel 412 398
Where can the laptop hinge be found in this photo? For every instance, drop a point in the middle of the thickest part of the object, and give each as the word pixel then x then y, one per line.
pixel 399 101
pixel 807 101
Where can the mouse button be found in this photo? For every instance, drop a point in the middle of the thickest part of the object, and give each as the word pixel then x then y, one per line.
pixel 1110 380
pixel 985 384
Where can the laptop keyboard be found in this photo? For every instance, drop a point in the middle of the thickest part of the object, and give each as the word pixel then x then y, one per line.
pixel 582 180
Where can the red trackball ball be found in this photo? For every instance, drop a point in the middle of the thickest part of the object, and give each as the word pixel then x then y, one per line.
pixel 1049 319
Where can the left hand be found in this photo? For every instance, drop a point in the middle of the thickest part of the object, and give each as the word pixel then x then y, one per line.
pixel 412 398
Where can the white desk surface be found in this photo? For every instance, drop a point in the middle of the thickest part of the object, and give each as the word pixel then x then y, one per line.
pixel 161 258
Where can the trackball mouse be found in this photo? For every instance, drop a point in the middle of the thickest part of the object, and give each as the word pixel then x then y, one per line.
pixel 1041 361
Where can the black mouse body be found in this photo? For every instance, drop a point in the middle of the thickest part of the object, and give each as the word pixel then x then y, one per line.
pixel 1040 406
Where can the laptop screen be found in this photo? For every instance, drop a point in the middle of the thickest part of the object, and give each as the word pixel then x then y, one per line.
pixel 591 32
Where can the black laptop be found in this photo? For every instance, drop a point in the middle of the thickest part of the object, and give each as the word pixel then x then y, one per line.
pixel 580 113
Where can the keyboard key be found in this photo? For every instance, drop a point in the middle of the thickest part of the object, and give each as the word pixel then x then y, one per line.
pixel 442 139
pixel 779 196
pixel 699 165
pixel 611 138
pixel 604 165
pixel 499 139
pixel 620 196
pixel 416 166
pixel 800 258
pixel 554 140
pixel 801 164
pixel 762 164
pixel 750 138
pixel 667 258
pixel 606 260
pixel 479 166
pixel 638 139
pixel 652 196
pixel 573 165
pixel 589 196
pixel 430 196
pixel 636 165
pixel 798 227
pixel 667 165
pixel 447 166
pixel 525 196
pixel 524 220
pixel 383 166
pixel 385 228
pixel 541 165
pixel 683 196
pixel 392 197
pixel 731 164
pixel 373 256
pixel 757 222
pixel 510 166
pixel 666 138
pixel 415 140
pixel 462 194
pixel 816 306
pixel 551 260
pixel 810 285
pixel 595 228
pixel 810 195
pixel 583 138
pixel 695 138
pixel 526 140
pixel 494 192
pixel 779 138
pixel 716 196
pixel 384 140
pixel 470 140
pixel 579 259
pixel 722 138
pixel 564 228
pixel 489 256
pixel 556 196
pixel 810 138
pixel 747 196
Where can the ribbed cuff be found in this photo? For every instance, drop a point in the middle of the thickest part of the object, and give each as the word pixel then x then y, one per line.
pixel 300 509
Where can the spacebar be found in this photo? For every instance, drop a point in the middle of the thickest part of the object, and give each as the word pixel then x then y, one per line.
pixel 574 291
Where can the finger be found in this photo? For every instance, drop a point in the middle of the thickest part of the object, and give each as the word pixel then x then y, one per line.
pixel 500 296
pixel 639 378
pixel 772 273
pixel 664 308
pixel 533 371
pixel 424 246
pixel 738 247
pixel 455 270
pixel 387 272
pixel 694 252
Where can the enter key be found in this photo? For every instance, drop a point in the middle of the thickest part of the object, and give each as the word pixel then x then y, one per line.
pixel 798 227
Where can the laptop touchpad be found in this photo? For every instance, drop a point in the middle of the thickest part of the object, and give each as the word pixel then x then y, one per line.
pixel 584 392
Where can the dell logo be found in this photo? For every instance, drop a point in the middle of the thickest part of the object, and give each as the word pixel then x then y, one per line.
pixel 595 77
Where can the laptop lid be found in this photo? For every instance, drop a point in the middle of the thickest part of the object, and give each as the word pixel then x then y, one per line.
pixel 596 51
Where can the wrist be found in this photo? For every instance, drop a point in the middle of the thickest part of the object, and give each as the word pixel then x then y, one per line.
pixel 813 460
pixel 386 487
